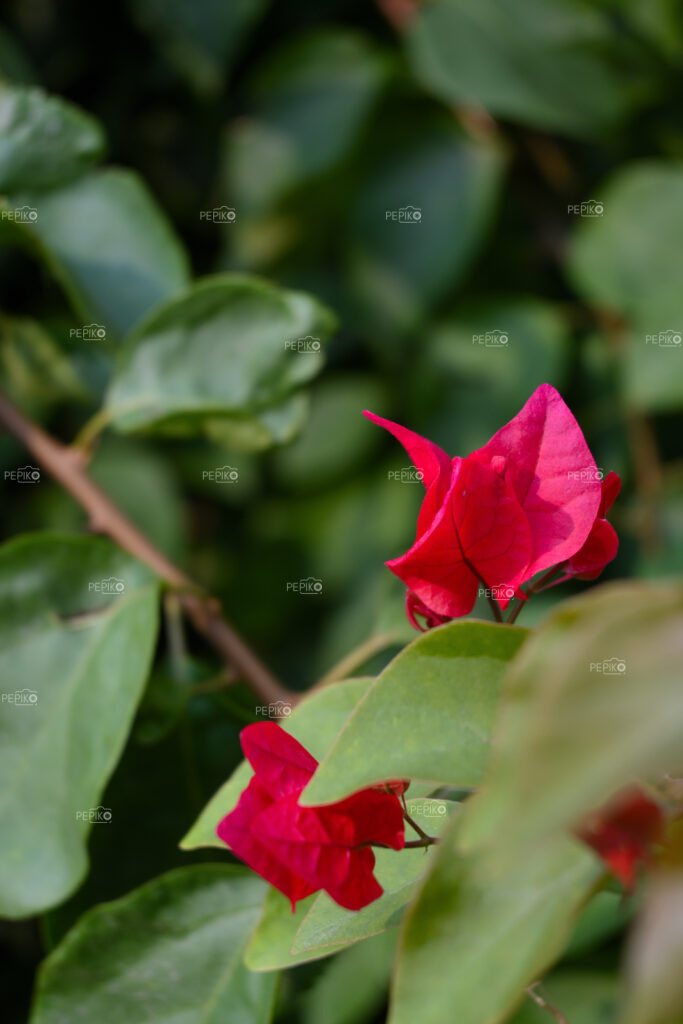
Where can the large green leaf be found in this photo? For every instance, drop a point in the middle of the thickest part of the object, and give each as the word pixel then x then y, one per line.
pixel 352 988
pixel 536 61
pixel 166 953
pixel 223 351
pixel 109 245
pixel 314 723
pixel 44 141
pixel 592 701
pixel 629 261
pixel 328 925
pixel 428 716
pixel 310 101
pixel 481 931
pixel 74 662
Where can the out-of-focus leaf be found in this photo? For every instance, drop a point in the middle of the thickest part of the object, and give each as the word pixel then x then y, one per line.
pixel 654 983
pixel 78 625
pixel 310 101
pixel 541 62
pixel 14 65
pixel 420 216
pixel 278 425
pixel 200 37
pixel 169 951
pixel 428 716
pixel 490 356
pixel 335 438
pixel 34 370
pixel 314 723
pixel 592 701
pixel 581 996
pixel 108 244
pixel 270 945
pixel 606 914
pixel 353 987
pixel 481 931
pixel 44 140
pixel 629 261
pixel 223 352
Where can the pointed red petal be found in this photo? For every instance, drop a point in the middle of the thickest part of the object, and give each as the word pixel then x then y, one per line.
pixel 281 764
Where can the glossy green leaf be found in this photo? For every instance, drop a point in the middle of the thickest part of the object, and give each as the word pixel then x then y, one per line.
pixel 541 62
pixel 74 661
pixel 654 983
pixel 428 716
pixel 314 723
pixel 628 261
pixel 310 101
pixel 592 701
pixel 446 185
pixel 170 951
pixel 226 348
pixel 328 925
pixel 44 140
pixel 109 245
pixel 481 931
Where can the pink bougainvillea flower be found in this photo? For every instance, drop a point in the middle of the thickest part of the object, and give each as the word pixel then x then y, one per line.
pixel 624 832
pixel 298 849
pixel 602 542
pixel 528 500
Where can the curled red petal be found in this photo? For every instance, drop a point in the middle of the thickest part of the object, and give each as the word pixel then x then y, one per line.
pixel 280 763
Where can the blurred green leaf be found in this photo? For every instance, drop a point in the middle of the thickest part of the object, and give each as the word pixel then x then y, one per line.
pixel 310 101
pixel 400 267
pixel 109 245
pixel 34 371
pixel 14 65
pixel 223 349
pixel 606 915
pixel 201 38
pixel 44 140
pixel 171 950
pixel 654 983
pixel 428 716
pixel 479 933
pixel 353 986
pixel 270 944
pixel 628 261
pixel 78 659
pixel 542 62
pixel 592 702
pixel 581 996
pixel 314 723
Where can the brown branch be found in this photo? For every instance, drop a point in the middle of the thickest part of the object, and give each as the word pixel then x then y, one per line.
pixel 542 1002
pixel 67 467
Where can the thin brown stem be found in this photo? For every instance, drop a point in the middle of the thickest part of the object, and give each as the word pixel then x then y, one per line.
pixel 414 825
pixel 544 1004
pixel 66 466
pixel 416 844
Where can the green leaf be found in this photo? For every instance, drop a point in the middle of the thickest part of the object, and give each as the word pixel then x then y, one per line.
pixel 629 261
pixel 581 996
pixel 169 951
pixel 400 268
pixel 310 100
pixel 427 716
pixel 592 702
pixel 270 944
pixel 353 987
pixel 327 925
pixel 200 37
pixel 606 915
pixel 44 140
pixel 654 984
pixel 173 372
pixel 541 62
pixel 78 659
pixel 108 244
pixel 314 723
pixel 34 370
pixel 479 932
